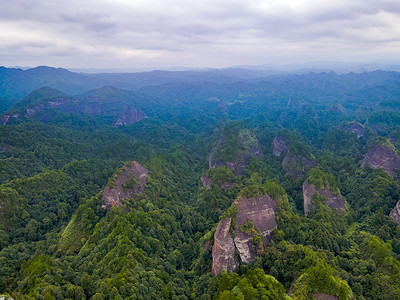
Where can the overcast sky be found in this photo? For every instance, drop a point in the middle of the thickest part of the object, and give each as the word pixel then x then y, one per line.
pixel 196 33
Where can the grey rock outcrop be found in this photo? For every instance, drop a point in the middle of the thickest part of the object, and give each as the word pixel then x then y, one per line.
pixel 395 213
pixel 383 156
pixel 356 128
pixel 129 116
pixel 279 146
pixel 257 211
pixel 223 249
pixel 240 162
pixel 335 202
pixel 130 182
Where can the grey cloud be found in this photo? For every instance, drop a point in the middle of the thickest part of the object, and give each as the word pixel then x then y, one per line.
pixel 179 31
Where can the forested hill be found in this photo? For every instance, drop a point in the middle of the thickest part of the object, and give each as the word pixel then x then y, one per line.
pixel 218 184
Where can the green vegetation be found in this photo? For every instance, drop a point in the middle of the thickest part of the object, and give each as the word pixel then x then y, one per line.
pixel 322 180
pixel 220 175
pixel 235 139
pixel 57 242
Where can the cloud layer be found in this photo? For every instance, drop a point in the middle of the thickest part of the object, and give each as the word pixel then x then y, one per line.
pixel 218 33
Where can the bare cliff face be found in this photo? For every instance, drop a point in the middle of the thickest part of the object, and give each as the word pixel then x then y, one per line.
pixel 279 146
pixel 129 116
pixel 224 249
pixel 336 202
pixel 355 128
pixel 395 213
pixel 246 233
pixel 130 181
pixel 383 156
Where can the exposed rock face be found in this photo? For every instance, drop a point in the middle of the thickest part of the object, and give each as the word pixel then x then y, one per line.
pixel 206 182
pixel 129 116
pixel 355 128
pixel 279 146
pixel 240 162
pixel 261 212
pixel 383 157
pixel 395 213
pixel 6 118
pixel 336 202
pixel 295 166
pixel 125 186
pixel 223 250
pixel 322 296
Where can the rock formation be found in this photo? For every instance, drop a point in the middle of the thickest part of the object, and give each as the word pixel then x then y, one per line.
pixel 279 146
pixel 356 128
pixel 395 213
pixel 129 116
pixel 383 156
pixel 336 202
pixel 43 103
pixel 126 183
pixel 293 164
pixel 223 251
pixel 246 232
pixel 249 146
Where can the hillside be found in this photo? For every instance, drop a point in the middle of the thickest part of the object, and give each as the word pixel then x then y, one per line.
pixel 199 185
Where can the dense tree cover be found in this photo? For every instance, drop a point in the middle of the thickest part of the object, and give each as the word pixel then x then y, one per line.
pixel 56 242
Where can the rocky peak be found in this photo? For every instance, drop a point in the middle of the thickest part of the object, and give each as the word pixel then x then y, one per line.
pixel 356 128
pixel 127 182
pixel 279 146
pixel 245 229
pixel 129 116
pixel 298 158
pixel 221 176
pixel 233 149
pixel 334 200
pixel 383 156
pixel 295 165
pixel 395 213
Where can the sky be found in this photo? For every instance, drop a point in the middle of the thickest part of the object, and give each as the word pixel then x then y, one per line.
pixel 203 33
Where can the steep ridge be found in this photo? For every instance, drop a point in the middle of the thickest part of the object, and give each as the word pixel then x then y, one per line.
pixel 233 148
pixel 126 183
pixel 110 102
pixel 395 213
pixel 356 128
pixel 321 187
pixel 297 159
pixel 383 155
pixel 246 228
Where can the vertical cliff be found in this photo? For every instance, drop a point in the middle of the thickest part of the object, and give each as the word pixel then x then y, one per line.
pixel 395 213
pixel 383 155
pixel 243 232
